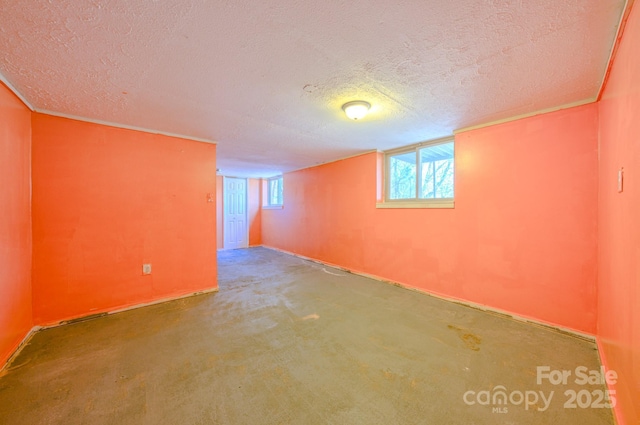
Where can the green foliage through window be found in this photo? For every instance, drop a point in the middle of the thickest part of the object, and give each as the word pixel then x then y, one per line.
pixel 424 172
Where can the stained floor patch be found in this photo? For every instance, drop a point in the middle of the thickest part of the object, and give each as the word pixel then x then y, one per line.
pixel 470 340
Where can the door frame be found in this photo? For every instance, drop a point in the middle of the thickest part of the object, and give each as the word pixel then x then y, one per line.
pixel 224 215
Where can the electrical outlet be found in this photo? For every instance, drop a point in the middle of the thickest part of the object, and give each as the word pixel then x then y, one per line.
pixel 146 268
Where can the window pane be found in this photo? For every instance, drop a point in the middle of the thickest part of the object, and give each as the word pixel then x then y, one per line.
pixel 437 169
pixel 279 195
pixel 275 192
pixel 402 176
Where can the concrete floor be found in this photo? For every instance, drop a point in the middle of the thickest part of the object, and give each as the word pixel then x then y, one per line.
pixel 287 341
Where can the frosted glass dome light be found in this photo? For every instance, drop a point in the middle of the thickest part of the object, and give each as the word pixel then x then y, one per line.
pixel 357 109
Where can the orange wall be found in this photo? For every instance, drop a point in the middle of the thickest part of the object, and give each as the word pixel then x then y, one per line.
pixel 522 236
pixel 254 211
pixel 619 223
pixel 107 200
pixel 220 211
pixel 15 222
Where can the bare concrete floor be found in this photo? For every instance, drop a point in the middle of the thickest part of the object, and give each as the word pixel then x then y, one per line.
pixel 287 341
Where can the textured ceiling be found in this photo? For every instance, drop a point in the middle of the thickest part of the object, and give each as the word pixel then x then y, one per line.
pixel 266 80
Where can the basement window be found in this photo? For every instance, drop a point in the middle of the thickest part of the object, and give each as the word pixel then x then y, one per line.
pixel 420 176
pixel 274 192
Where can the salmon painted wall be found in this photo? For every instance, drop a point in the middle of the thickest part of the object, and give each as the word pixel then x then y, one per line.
pixel 254 211
pixel 15 223
pixel 619 223
pixel 107 200
pixel 522 236
pixel 219 211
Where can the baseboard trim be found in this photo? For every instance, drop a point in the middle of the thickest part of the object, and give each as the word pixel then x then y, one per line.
pixel 491 310
pixel 617 415
pixel 96 315
pixel 164 300
pixel 92 316
pixel 6 366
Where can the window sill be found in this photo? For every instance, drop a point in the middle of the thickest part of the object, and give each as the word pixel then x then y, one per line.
pixel 416 204
pixel 272 207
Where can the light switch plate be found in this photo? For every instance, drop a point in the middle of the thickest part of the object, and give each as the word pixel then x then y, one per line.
pixel 620 180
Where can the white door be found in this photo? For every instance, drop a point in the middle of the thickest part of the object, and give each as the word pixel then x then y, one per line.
pixel 235 213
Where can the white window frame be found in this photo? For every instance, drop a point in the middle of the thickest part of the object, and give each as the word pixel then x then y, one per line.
pixel 415 202
pixel 268 204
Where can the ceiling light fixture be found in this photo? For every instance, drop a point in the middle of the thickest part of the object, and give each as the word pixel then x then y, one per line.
pixel 357 109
